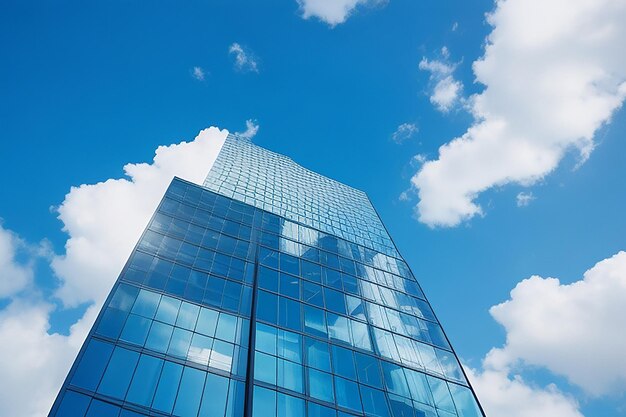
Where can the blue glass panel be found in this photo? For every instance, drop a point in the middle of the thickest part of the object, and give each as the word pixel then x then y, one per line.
pixel 343 362
pixel 200 349
pixel 179 345
pixel 466 405
pixel 145 380
pixel 267 307
pixel 73 405
pixel 189 393
pixel 124 297
pixel 335 301
pixel 146 303
pixel 265 368
pixel 289 264
pixel 187 316
pixel 92 365
pixel 136 329
pixel 418 386
pixel 290 375
pixel 320 385
pixel 207 321
pixel 264 402
pixel 338 327
pixel 289 346
pixel 101 409
pixel 441 394
pixel 401 407
pixel 168 387
pixel 314 321
pixel 168 310
pixel 368 370
pixel 117 376
pixel 316 410
pixel 317 354
pixel 214 397
pixel 268 279
pixel 111 323
pixel 374 402
pixel 312 294
pixel 159 337
pixel 266 338
pixel 311 271
pixel 226 327
pixel 394 379
pixel 222 355
pixel 289 406
pixel 348 394
pixel 289 286
pixel 289 314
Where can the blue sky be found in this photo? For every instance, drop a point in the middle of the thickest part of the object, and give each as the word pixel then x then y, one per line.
pixel 535 187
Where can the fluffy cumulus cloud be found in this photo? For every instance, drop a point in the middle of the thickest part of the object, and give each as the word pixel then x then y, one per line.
pixel 575 330
pixel 503 395
pixel 245 61
pixel 333 12
pixel 404 132
pixel 554 73
pixel 446 90
pixel 105 220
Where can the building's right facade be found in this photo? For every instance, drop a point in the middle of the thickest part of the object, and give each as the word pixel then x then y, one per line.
pixel 268 291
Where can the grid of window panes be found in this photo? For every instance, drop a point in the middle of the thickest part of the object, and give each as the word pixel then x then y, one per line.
pixel 339 329
pixel 275 183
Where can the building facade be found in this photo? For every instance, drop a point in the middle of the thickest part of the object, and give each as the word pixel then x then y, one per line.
pixel 269 291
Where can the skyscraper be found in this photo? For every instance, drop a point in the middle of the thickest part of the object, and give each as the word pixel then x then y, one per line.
pixel 269 291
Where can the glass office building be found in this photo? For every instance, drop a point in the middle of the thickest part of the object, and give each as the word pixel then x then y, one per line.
pixel 268 291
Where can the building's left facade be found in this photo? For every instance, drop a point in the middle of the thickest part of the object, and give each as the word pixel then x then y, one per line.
pixel 172 337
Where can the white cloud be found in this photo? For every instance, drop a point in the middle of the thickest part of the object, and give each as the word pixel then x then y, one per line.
pixel 252 127
pixel 575 330
pixel 404 132
pixel 105 220
pixel 333 12
pixel 503 395
pixel 14 275
pixel 446 90
pixel 245 60
pixel 455 26
pixel 554 73
pixel 36 362
pixel 523 199
pixel 198 73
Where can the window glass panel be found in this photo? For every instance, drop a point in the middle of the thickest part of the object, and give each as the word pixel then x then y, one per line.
pixel 268 279
pixel 312 294
pixel 450 366
pixel 266 338
pixel 111 323
pixel 226 327
pixel 73 405
pixel 316 410
pixel 320 385
pixel 264 402
pixel 265 368
pixel 101 409
pixel 418 386
pixel 394 379
pixel 168 387
pixel 290 346
pixel 145 380
pixel 318 355
pixel 360 335
pixel 289 286
pixel 136 329
pixel 368 370
pixel 179 345
pixel 117 376
pixel 187 316
pixel 311 271
pixel 189 393
pixel 200 349
pixel 290 375
pixel 289 406
pixel 222 355
pixel 159 337
pixel 168 310
pixel 374 402
pixel 289 264
pixel 146 303
pixel 403 407
pixel 338 327
pixel 314 321
pixel 124 296
pixel 267 307
pixel 215 395
pixel 343 362
pixel 92 365
pixel 335 301
pixel 207 321
pixel 289 314
pixel 348 394
pixel 464 400
pixel 441 394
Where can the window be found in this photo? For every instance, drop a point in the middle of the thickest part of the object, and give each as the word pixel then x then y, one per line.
pixel 73 404
pixel 343 362
pixel 320 385
pixel 168 387
pixel 215 396
pixel 120 370
pixel 145 380
pixel 189 393
pixel 348 394
pixel 92 365
pixel 159 337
